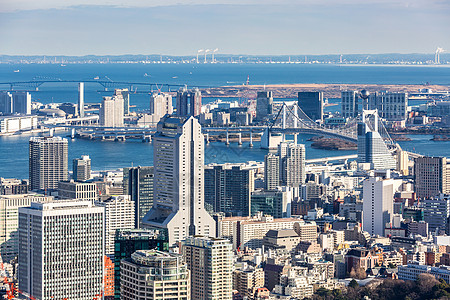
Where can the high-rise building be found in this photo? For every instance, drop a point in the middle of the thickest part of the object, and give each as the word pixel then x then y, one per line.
pixel 9 216
pixel 183 102
pixel 378 203
pixel 47 162
pixel 111 111
pixel 349 102
pixel 264 103
pixel 128 241
pixel 274 203
pixel 431 176
pixel 210 261
pixel 195 102
pixel 436 211
pixel 247 280
pixel 82 168
pixel 81 99
pixel 178 204
pixel 125 93
pixel 312 104
pixel 61 248
pixel 292 163
pixel 138 183
pixel 162 275
pixel 371 146
pixel 160 105
pixel 82 191
pixel 391 106
pixel 119 214
pixel 229 189
pixel 16 102
pixel 271 171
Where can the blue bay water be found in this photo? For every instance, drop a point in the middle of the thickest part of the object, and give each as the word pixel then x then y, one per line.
pixel 111 155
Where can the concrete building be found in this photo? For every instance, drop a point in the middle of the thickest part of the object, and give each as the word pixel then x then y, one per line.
pixel 178 156
pixel 138 183
pixel 431 176
pixel 61 247
pixel 371 146
pixel 182 102
pixel 81 99
pixel 308 231
pixel 161 275
pixel 228 189
pixel 247 280
pixel 128 241
pixel 378 203
pixel 12 124
pixel 195 102
pixel 283 238
pixel 9 219
pixel 125 94
pixel 47 162
pixel 12 186
pixel 414 269
pixel 349 103
pixel 119 214
pixel 436 211
pixel 264 103
pixel 160 105
pixel 82 168
pixel 391 106
pixel 83 191
pixel 271 171
pixel 111 112
pixel 276 203
pixel 210 261
pixel 312 104
pixel 15 102
pixel 292 164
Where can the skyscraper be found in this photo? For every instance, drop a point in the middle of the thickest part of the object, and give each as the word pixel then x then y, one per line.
pixel 81 99
pixel 371 146
pixel 111 111
pixel 47 162
pixel 82 168
pixel 264 103
pixel 378 203
pixel 349 104
pixel 391 106
pixel 229 189
pixel 292 163
pixel 15 102
pixel 436 211
pixel 138 183
pixel 162 275
pixel 271 171
pixel 210 261
pixel 182 102
pixel 312 104
pixel 61 249
pixel 125 93
pixel 119 214
pixel 178 156
pixel 195 102
pixel 160 105
pixel 431 176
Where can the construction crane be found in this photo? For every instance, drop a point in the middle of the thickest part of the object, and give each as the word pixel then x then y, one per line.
pixel 439 50
pixel 214 51
pixel 206 52
pixel 198 52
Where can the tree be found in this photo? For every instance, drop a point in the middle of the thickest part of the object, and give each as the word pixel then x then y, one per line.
pixel 353 284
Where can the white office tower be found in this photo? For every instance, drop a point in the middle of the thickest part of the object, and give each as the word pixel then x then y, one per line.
pixel 81 99
pixel 210 261
pixel 178 156
pixel 119 214
pixel 61 250
pixel 349 102
pixel 111 112
pixel 378 203
pixel 371 146
pixel 292 163
pixel 48 163
pixel 160 105
pixel 160 275
pixel 271 171
pixel 125 94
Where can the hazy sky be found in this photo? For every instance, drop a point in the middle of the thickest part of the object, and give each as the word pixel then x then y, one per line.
pixel 176 27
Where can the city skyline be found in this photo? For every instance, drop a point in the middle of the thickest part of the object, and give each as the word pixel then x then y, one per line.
pixel 283 28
